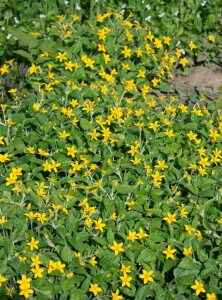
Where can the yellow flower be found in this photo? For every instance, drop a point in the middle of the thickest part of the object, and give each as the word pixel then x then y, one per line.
pixel 141 234
pixel 161 165
pixel 41 218
pixel 4 158
pixel 2 140
pixel 33 244
pixel 183 108
pixel 169 133
pixel 4 69
pixel 192 46
pixel 183 213
pixel 35 261
pixel 59 266
pixel 126 52
pixel 183 61
pixel 2 279
pixel 99 224
pixel 189 229
pixel 11 91
pixel 61 56
pixel 191 135
pixel 95 288
pixel 69 275
pixel 31 150
pixel 51 266
pixel 12 179
pixel 117 247
pixel 211 38
pixel 214 134
pixel 125 269
pixel 187 251
pixel 146 276
pixel 157 177
pixel 136 161
pixel 170 218
pixel 154 126
pixel 10 291
pixel 211 296
pixel 116 295
pixel 69 66
pixel 43 152
pixel 93 261
pixel 71 151
pixel 63 134
pixel 106 58
pixel 155 82
pixel 3 221
pixel 169 252
pixel 198 235
pixel 24 281
pixel 132 235
pixel 37 271
pixel 55 165
pixel 47 166
pixel 33 69
pixel 125 280
pixel 139 52
pixel 141 74
pixel 166 40
pixel 198 287
pixel 26 291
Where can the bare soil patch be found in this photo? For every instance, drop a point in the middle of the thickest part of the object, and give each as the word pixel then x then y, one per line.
pixel 199 79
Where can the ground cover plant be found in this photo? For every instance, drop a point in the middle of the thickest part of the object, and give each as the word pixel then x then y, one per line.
pixel 110 184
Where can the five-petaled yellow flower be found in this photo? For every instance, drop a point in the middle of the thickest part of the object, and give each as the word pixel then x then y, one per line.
pixel 198 287
pixel 146 276
pixel 33 244
pixel 95 289
pixel 117 247
pixel 169 252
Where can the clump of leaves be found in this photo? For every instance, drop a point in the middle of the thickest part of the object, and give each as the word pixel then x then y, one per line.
pixel 109 187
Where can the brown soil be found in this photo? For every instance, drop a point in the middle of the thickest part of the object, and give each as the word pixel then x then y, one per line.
pixel 203 79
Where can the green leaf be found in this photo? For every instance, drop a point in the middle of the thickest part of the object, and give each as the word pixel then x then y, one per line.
pixel 78 74
pixel 76 294
pixel 8 246
pixel 208 193
pixel 85 124
pixel 110 235
pixel 193 189
pixel 77 47
pixel 142 292
pixel 156 194
pixel 46 46
pixel 190 126
pixel 36 199
pixel 22 36
pixel 25 54
pixel 185 277
pixel 165 87
pixel 168 264
pixel 128 292
pixel 124 189
pixel 188 264
pixel 156 212
pixel 67 254
pixel 100 240
pixel 19 144
pixel 67 284
pixel 85 285
pixel 146 256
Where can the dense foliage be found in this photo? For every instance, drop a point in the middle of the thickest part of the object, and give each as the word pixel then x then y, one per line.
pixel 110 184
